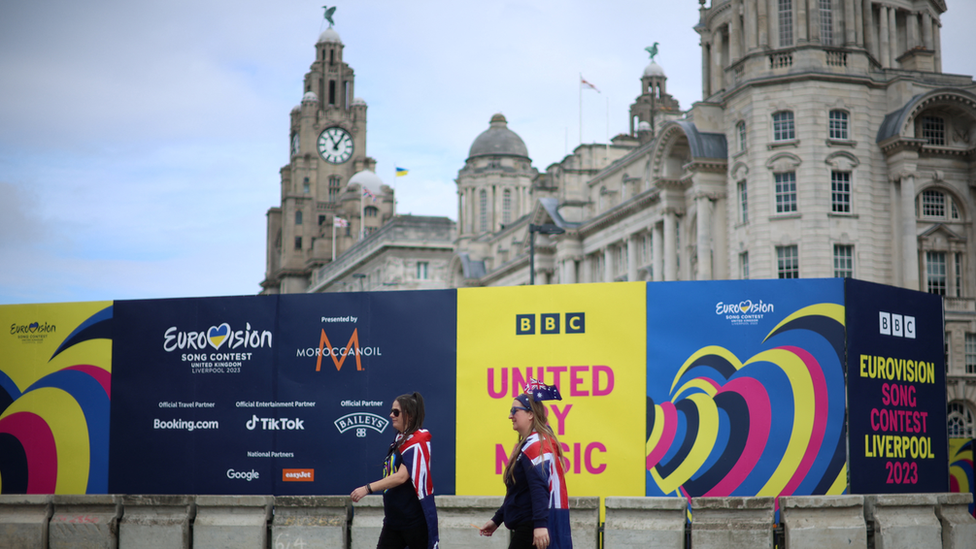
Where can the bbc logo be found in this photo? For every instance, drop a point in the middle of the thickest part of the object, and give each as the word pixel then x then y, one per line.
pixel 549 323
pixel 897 325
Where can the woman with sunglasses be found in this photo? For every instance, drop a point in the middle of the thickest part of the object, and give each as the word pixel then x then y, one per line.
pixel 536 507
pixel 409 515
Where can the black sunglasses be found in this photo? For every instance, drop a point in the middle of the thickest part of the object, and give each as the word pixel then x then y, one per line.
pixel 395 412
pixel 516 409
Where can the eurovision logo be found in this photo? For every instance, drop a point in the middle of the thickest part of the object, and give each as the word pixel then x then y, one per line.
pixel 360 421
pixel 216 337
pixel 744 312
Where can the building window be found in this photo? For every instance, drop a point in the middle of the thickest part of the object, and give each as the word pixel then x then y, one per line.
pixel 743 191
pixel 783 126
pixel 507 206
pixel 305 186
pixel 332 92
pixel 937 204
pixel 787 262
pixel 785 192
pixel 933 130
pixel 322 219
pixel 334 188
pixel 960 420
pixel 957 280
pixel 838 125
pixel 298 217
pixel 421 270
pixel 298 243
pixel 483 210
pixel 371 211
pixel 744 265
pixel 826 23
pixel 840 192
pixel 785 23
pixel 843 261
pixel 935 270
pixel 740 130
pixel 947 347
pixel 971 353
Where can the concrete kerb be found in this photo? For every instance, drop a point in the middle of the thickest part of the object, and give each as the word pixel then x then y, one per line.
pixel 232 521
pixel 958 526
pixel 367 522
pixel 151 521
pixel 644 522
pixel 312 522
pixel 584 520
pixel 24 520
pixel 904 521
pixel 460 517
pixel 83 521
pixel 814 522
pixel 731 523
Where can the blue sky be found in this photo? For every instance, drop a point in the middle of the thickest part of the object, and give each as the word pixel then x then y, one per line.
pixel 140 142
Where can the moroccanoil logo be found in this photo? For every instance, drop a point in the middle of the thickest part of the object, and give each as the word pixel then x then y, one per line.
pixel 339 354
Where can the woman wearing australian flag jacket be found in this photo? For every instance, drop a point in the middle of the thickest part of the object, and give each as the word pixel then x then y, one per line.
pixel 409 515
pixel 536 506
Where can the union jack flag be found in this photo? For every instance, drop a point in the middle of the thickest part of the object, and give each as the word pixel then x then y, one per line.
pixel 339 222
pixel 369 194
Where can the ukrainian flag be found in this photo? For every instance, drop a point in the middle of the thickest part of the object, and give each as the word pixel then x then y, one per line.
pixel 401 171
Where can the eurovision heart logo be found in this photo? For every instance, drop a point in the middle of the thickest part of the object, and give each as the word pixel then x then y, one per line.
pixel 33 326
pixel 745 306
pixel 718 435
pixel 217 335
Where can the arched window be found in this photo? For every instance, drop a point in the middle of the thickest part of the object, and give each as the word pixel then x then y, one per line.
pixel 507 206
pixel 298 217
pixel 371 211
pixel 483 210
pixel 740 130
pixel 935 204
pixel 783 126
pixel 960 420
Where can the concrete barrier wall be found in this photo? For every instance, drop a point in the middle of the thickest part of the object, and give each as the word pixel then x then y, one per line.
pixel 85 522
pixel 184 521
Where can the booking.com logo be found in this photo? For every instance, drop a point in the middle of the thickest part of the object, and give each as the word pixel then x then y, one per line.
pixel 272 424
pixel 248 476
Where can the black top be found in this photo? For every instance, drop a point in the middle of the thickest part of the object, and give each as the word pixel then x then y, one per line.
pixel 401 507
pixel 526 497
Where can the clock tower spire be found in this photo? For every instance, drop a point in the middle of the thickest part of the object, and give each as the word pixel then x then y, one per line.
pixel 327 144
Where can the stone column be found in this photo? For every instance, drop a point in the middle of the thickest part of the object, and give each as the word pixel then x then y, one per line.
pixel 608 264
pixel 802 22
pixel 870 34
pixel 735 34
pixel 762 22
pixel 850 37
pixel 670 246
pixel 927 30
pixel 569 271
pixel 937 41
pixel 814 18
pixel 704 244
pixel 893 38
pixel 717 68
pixel 658 253
pixel 859 22
pixel 749 16
pixel 911 30
pixel 706 67
pixel 631 258
pixel 884 38
pixel 909 238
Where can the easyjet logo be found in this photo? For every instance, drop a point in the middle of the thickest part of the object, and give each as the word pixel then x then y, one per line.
pixel 298 475
pixel 339 354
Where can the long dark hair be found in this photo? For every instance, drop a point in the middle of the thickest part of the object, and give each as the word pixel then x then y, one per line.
pixel 412 406
pixel 540 424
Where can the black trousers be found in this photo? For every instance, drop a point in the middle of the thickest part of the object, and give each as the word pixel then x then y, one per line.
pixel 522 536
pixel 414 538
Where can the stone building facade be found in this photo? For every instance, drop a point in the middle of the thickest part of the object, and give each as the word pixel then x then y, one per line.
pixel 828 143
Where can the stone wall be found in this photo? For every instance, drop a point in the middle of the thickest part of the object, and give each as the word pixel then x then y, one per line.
pixel 917 521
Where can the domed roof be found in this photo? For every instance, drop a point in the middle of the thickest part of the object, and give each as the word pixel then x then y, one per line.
pixel 329 35
pixel 498 140
pixel 310 96
pixel 359 101
pixel 644 126
pixel 653 70
pixel 296 108
pixel 367 179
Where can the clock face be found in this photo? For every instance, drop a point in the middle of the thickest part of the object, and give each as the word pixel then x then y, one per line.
pixel 335 145
pixel 295 144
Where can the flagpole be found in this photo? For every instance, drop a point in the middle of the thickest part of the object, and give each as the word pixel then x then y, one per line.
pixel 394 188
pixel 580 86
pixel 362 211
pixel 608 128
pixel 333 237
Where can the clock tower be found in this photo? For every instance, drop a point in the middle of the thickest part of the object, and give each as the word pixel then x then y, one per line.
pixel 327 144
